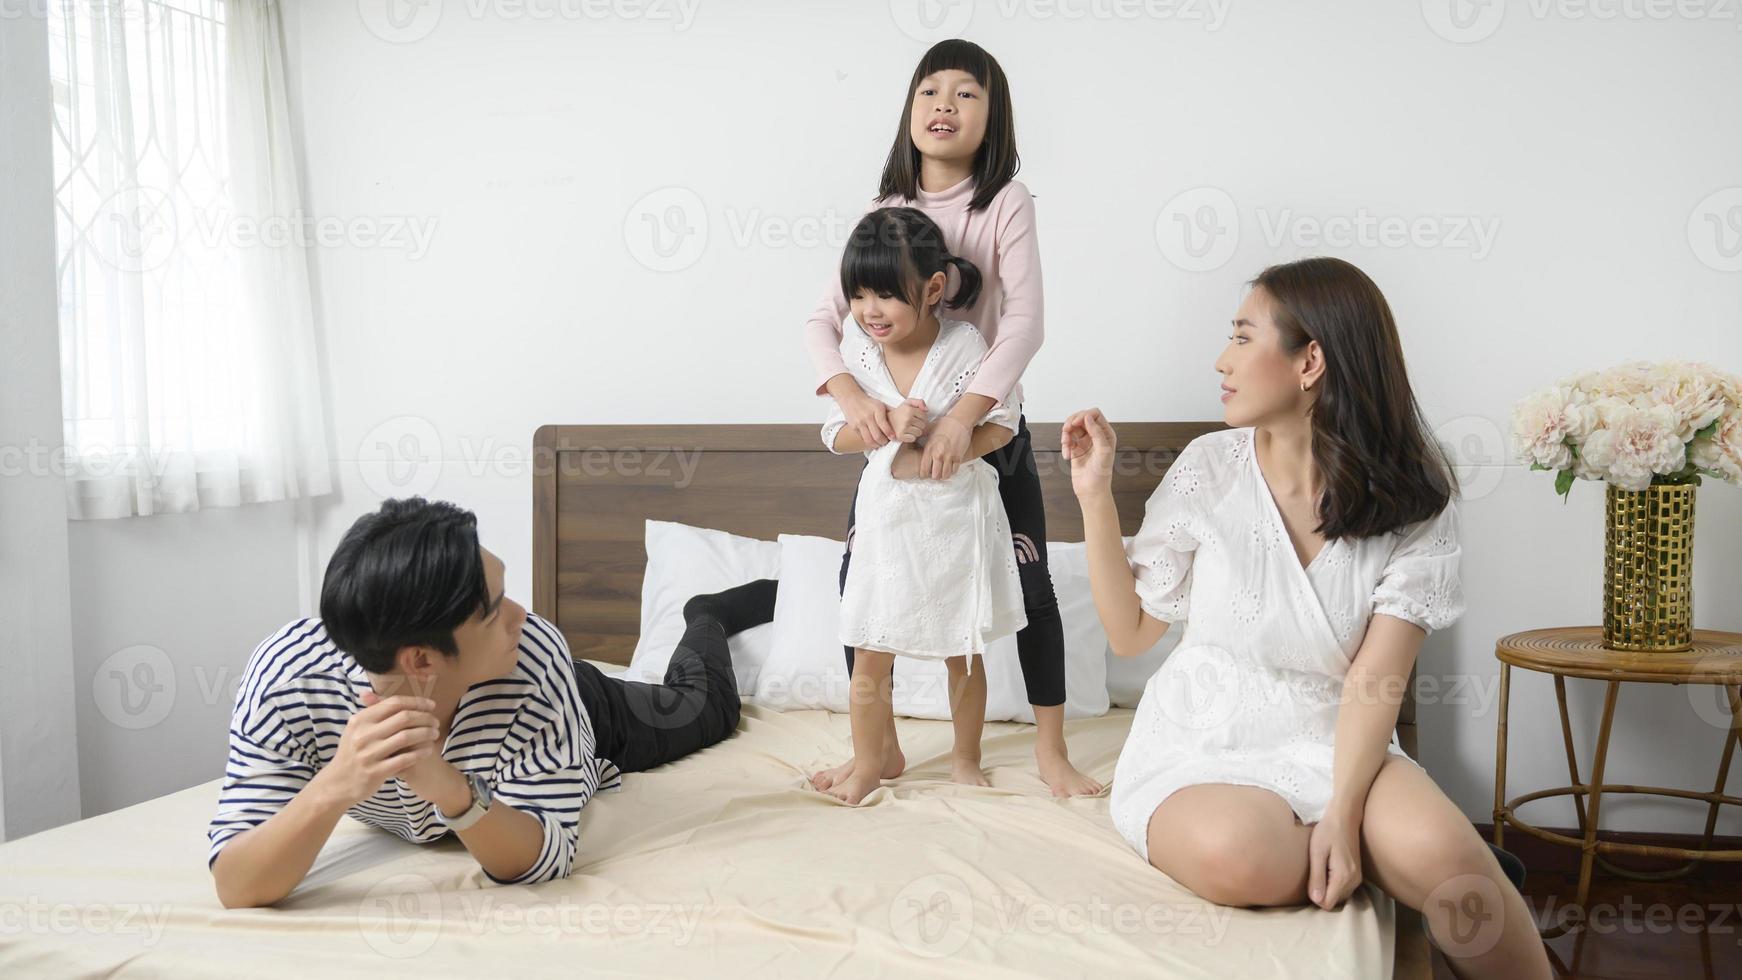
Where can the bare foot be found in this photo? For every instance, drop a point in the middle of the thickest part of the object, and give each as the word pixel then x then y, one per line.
pixel 852 789
pixel 1063 778
pixel 967 772
pixel 894 764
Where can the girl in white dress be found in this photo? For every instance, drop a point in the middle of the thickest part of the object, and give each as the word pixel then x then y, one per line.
pixel 1308 550
pixel 934 572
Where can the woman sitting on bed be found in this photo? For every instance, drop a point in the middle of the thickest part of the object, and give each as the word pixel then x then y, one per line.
pixel 1308 550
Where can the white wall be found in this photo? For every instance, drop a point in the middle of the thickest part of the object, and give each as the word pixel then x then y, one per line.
pixel 38 751
pixel 531 143
pixel 166 611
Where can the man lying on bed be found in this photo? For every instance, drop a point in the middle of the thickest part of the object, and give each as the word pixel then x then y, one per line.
pixel 423 701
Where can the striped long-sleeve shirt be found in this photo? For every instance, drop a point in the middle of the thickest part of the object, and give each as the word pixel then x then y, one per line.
pixel 527 733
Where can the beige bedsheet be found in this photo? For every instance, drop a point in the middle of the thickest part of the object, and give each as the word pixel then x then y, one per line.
pixel 722 864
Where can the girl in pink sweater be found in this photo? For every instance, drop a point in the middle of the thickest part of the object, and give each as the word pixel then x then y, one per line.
pixel 954 158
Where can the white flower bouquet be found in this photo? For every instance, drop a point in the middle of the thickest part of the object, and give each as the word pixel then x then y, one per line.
pixel 1634 426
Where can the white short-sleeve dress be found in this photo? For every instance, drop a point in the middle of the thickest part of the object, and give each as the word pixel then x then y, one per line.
pixel 1250 695
pixel 934 571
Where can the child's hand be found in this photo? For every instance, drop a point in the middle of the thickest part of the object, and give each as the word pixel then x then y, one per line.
pixel 1087 441
pixel 870 418
pixel 905 465
pixel 945 448
pixel 908 420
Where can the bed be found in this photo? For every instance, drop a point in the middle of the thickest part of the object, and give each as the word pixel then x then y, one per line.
pixel 721 863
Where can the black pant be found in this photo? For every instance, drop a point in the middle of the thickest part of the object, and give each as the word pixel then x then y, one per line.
pixel 1040 646
pixel 639 726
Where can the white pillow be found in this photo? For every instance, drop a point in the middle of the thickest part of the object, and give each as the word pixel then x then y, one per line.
pixel 1127 676
pixel 685 561
pixel 807 667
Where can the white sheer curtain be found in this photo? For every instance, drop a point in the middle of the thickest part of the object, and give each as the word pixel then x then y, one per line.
pixel 187 338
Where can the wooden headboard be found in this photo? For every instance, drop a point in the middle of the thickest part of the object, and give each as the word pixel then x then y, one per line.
pixel 595 486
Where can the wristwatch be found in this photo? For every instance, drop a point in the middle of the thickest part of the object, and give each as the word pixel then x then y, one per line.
pixel 480 804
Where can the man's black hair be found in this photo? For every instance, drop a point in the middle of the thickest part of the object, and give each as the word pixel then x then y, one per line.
pixel 405 575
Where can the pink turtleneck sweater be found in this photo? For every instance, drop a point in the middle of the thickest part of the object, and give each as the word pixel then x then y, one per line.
pixel 1000 241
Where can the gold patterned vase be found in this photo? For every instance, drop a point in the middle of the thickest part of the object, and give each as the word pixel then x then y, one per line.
pixel 1648 575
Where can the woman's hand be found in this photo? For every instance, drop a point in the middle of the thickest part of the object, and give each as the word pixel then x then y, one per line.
pixel 1088 442
pixel 945 448
pixel 908 420
pixel 868 416
pixel 1334 858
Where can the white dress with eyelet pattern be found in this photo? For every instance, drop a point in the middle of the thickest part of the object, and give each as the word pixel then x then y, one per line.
pixel 934 571
pixel 1250 695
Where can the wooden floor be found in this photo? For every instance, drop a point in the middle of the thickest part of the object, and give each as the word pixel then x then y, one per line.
pixel 1680 929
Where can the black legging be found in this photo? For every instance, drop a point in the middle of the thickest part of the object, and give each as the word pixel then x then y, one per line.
pixel 1040 646
pixel 639 726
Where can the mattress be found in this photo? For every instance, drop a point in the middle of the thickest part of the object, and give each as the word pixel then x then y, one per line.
pixel 723 863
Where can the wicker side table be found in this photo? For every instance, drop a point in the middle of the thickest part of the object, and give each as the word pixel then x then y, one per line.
pixel 1716 659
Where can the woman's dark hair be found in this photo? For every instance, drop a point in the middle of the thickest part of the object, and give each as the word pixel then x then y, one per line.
pixel 996 161
pixel 405 575
pixel 894 251
pixel 1381 467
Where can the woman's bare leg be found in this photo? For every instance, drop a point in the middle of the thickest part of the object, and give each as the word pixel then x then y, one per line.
pixel 1423 851
pixel 873 716
pixel 1232 845
pixel 968 716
